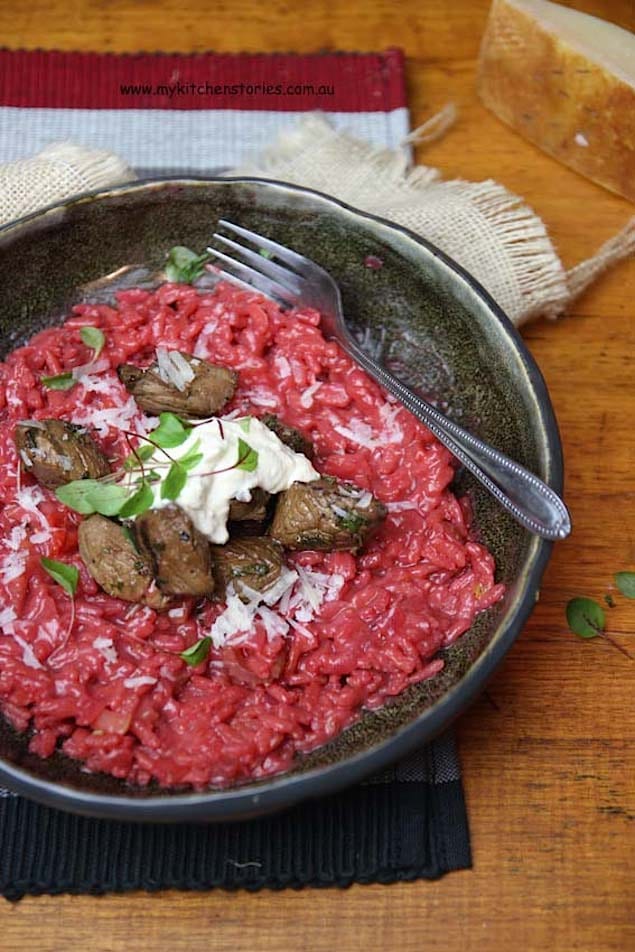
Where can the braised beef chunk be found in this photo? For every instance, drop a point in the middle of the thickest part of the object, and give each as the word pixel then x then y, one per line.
pixel 254 562
pixel 325 514
pixel 207 390
pixel 115 563
pixel 253 511
pixel 289 435
pixel 179 554
pixel 58 452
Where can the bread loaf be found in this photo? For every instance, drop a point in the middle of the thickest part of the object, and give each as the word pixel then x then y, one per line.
pixel 566 81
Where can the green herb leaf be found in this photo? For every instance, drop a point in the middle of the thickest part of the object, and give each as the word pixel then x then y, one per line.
pixel 245 423
pixel 59 382
pixel 190 462
pixel 265 253
pixel 197 652
pixel 174 481
pixel 184 265
pixel 585 617
pixel 90 495
pixel 142 453
pixel 247 457
pixel 93 337
pixel 137 503
pixel 625 582
pixel 192 458
pixel 76 495
pixel 171 431
pixel 65 575
pixel 130 536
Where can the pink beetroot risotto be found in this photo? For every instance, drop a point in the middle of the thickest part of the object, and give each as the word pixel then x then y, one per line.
pixel 103 680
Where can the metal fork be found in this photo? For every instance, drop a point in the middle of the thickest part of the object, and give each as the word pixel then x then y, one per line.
pixel 298 281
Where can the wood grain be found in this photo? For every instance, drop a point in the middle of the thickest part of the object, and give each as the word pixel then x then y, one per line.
pixel 549 771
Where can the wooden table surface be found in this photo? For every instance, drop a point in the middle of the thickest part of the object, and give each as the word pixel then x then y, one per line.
pixel 547 774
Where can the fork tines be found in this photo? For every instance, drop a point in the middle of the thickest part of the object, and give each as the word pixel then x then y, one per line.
pixel 255 269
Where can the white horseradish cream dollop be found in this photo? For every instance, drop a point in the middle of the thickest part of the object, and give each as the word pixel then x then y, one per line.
pixel 215 481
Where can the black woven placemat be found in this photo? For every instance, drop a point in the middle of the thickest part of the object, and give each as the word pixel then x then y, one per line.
pixel 407 823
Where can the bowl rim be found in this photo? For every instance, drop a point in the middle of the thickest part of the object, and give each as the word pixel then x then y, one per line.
pixel 284 790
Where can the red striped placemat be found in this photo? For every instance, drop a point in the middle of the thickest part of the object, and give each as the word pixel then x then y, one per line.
pixel 166 112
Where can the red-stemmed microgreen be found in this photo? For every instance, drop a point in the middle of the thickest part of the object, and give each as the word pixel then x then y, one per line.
pixel 177 474
pixel 586 619
pixel 138 503
pixel 87 496
pixel 198 652
pixel 109 497
pixel 63 381
pixel 67 577
pixel 245 453
pixel 94 338
pixel 184 266
pixel 171 431
pixel 247 457
pixel 625 582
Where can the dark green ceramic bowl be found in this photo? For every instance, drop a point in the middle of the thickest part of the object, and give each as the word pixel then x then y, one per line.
pixel 443 335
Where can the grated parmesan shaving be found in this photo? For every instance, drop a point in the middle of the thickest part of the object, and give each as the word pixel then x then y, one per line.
pixel 139 681
pixel 14 563
pixel 294 599
pixel 94 367
pixel 106 649
pixel 274 593
pixel 275 626
pixel 306 400
pixel 401 506
pixel 261 397
pixel 13 566
pixel 358 432
pixel 123 417
pixel 106 383
pixel 39 537
pixel 7 617
pixel 202 343
pixel 28 656
pixel 29 498
pixel 362 433
pixel 236 618
pixel 301 628
pixel 16 537
pixel 309 592
pixel 283 366
pixel 173 368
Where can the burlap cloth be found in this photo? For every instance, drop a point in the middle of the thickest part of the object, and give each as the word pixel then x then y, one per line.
pixel 488 230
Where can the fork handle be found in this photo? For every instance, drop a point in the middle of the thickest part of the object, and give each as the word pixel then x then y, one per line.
pixel 529 500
